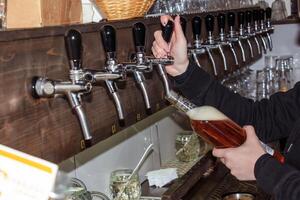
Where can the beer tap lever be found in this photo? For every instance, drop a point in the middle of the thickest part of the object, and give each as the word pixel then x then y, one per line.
pixel 241 22
pixel 209 44
pixel 74 88
pixel 139 32
pixel 269 27
pixel 108 35
pixel 250 33
pixel 183 24
pixel 196 28
pixel 257 30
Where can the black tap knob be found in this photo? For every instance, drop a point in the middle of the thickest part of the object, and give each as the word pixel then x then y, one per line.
pixel 256 15
pixel 231 19
pixel 221 21
pixel 139 32
pixel 167 31
pixel 108 35
pixel 248 17
pixel 209 23
pixel 74 48
pixel 262 14
pixel 183 24
pixel 268 13
pixel 241 18
pixel 196 26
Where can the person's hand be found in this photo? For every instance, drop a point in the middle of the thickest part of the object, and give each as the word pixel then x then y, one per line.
pixel 177 48
pixel 241 160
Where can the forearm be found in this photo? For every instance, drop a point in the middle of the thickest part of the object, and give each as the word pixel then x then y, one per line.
pixel 281 180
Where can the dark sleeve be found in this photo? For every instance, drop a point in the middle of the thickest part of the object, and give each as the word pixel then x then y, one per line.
pixel 281 180
pixel 273 119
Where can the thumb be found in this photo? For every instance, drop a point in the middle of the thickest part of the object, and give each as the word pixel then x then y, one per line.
pixel 178 29
pixel 250 132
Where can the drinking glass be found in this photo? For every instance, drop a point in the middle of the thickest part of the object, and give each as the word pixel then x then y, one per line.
pixel 279 11
pixel 118 181
pixel 262 85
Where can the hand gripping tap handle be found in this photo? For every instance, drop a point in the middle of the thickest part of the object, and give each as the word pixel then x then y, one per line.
pixel 139 32
pixel 74 49
pixel 108 35
pixel 196 27
pixel 167 31
pixel 183 24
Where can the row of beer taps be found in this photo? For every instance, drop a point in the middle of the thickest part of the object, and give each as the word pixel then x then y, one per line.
pixel 251 24
pixel 82 80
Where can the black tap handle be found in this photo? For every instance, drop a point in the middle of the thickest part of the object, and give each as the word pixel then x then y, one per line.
pixel 196 26
pixel 167 31
pixel 139 32
pixel 231 19
pixel 256 15
pixel 241 18
pixel 209 23
pixel 248 17
pixel 183 24
pixel 262 14
pixel 74 48
pixel 268 13
pixel 108 35
pixel 221 21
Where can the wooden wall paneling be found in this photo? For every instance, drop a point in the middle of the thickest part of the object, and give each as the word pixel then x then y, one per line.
pixel 47 128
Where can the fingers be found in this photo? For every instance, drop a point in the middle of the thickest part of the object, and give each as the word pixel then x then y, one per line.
pixel 220 153
pixel 250 132
pixel 178 29
pixel 158 52
pixel 161 43
pixel 165 18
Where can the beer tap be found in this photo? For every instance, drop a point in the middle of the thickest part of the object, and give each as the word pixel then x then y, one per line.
pixel 232 36
pixel 210 42
pixel 197 48
pixel 269 26
pixel 242 36
pixel 257 30
pixel 108 35
pixel 74 88
pixel 140 64
pixel 223 39
pixel 263 29
pixel 249 32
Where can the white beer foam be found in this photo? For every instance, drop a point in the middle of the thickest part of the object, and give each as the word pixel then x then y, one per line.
pixel 206 113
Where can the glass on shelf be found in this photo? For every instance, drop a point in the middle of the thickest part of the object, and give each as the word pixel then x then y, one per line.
pixel 122 190
pixel 279 11
pixel 262 4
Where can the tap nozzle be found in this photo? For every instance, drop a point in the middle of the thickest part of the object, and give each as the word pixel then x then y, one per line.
pixel 108 35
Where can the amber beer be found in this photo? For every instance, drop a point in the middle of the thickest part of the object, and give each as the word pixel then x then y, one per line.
pixel 218 129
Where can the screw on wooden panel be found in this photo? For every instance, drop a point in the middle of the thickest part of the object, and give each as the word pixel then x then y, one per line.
pixel 82 144
pixel 138 117
pixel 157 107
pixel 113 129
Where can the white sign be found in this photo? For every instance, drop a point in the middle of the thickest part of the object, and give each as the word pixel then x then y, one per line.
pixel 24 177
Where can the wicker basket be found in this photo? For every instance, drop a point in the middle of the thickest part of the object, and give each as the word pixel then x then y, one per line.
pixel 124 9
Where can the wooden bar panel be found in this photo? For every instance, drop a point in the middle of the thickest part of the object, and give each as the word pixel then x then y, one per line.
pixel 47 128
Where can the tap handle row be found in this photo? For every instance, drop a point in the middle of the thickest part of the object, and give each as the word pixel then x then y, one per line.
pixel 231 19
pixel 268 13
pixel 108 35
pixel 183 24
pixel 167 31
pixel 221 21
pixel 74 48
pixel 139 32
pixel 209 23
pixel 196 27
pixel 248 17
pixel 241 18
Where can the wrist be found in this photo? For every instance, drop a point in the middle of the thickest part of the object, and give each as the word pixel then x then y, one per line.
pixel 181 68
